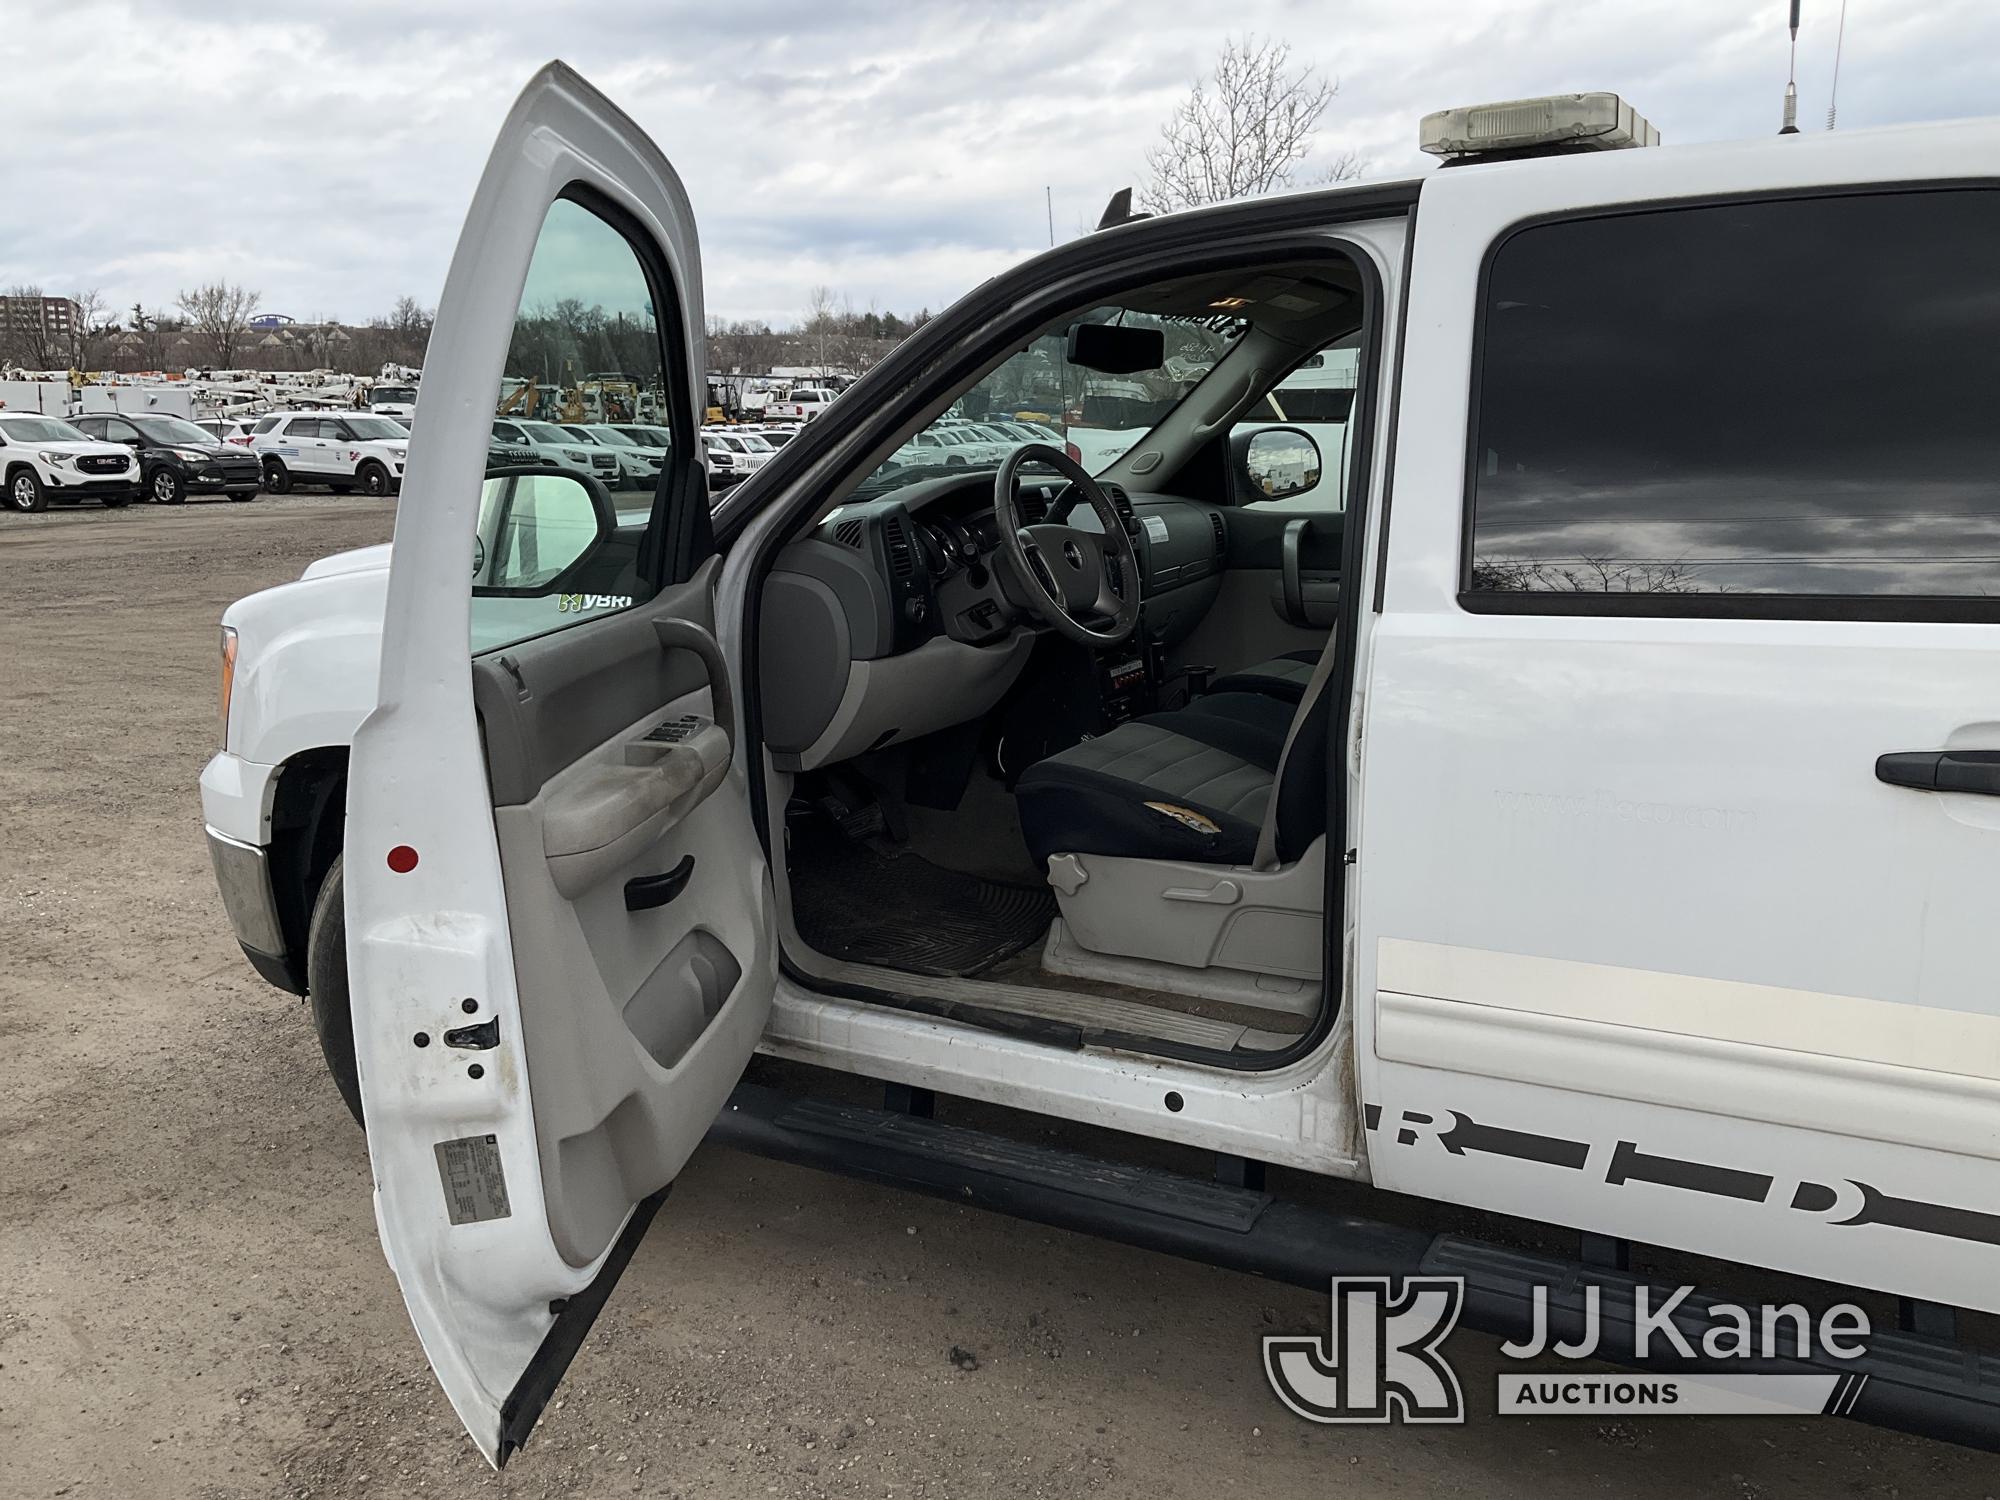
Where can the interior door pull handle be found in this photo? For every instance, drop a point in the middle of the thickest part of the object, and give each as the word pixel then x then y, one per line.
pixel 1292 568
pixel 1975 771
pixel 649 891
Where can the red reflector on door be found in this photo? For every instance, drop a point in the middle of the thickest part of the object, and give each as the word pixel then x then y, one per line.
pixel 402 859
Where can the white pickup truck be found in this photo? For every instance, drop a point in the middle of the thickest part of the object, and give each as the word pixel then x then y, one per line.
pixel 801 404
pixel 1586 814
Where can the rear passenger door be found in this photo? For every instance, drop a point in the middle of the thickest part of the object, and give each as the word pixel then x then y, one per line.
pixel 1697 518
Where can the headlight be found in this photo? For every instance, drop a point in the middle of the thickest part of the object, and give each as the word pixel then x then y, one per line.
pixel 575 457
pixel 228 677
pixel 57 458
pixel 190 455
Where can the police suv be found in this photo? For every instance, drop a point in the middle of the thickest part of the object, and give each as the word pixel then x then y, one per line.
pixel 343 450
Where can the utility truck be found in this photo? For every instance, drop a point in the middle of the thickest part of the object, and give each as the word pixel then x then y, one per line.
pixel 1584 812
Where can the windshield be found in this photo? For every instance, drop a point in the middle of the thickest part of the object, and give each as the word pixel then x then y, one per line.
pixel 755 443
pixel 546 432
pixel 611 437
pixel 1097 417
pixel 583 435
pixel 40 430
pixel 374 429
pixel 647 437
pixel 402 394
pixel 163 429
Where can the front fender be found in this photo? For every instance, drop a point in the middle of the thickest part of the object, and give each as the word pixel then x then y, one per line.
pixel 307 658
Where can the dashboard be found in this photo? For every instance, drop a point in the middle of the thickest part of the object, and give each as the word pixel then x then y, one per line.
pixel 900 615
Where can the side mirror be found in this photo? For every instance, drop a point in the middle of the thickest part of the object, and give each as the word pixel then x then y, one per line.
pixel 539 530
pixel 1273 463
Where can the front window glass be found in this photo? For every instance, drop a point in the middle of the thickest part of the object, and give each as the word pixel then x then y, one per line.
pixel 586 340
pixel 401 394
pixel 1098 417
pixel 1309 472
pixel 374 429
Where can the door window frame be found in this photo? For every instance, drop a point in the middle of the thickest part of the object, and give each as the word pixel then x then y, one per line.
pixel 1695 606
pixel 948 357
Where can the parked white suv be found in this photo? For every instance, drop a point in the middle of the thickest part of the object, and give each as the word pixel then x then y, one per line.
pixel 749 449
pixel 342 450
pixel 1605 839
pixel 44 459
pixel 559 447
pixel 638 465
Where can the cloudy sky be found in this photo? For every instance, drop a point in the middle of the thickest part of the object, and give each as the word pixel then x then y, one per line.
pixel 895 151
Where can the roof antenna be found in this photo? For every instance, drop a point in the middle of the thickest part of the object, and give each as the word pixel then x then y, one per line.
pixel 1791 125
pixel 1833 98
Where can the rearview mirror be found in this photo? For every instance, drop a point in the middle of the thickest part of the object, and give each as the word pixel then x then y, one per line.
pixel 1274 463
pixel 538 530
pixel 1114 349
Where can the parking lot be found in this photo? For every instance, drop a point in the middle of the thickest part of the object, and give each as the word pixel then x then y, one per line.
pixel 196 1303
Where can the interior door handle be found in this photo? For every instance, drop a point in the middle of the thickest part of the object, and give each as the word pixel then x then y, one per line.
pixel 1294 569
pixel 1975 771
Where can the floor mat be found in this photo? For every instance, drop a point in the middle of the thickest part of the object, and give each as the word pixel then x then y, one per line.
pixel 903 912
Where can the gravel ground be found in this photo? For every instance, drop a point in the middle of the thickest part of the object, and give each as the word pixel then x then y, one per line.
pixel 195 1303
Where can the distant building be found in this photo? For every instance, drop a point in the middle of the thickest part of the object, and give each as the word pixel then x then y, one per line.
pixel 56 315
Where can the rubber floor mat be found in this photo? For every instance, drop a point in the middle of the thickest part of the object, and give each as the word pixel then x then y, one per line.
pixel 903 912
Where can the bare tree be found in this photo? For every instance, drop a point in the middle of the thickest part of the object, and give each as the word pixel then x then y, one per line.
pixel 1247 128
pixel 410 324
pixel 821 326
pixel 32 343
pixel 219 313
pixel 89 328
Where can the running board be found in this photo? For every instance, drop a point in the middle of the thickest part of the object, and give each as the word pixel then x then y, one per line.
pixel 1914 1384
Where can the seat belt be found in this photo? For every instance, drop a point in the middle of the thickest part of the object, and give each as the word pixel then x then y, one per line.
pixel 1266 857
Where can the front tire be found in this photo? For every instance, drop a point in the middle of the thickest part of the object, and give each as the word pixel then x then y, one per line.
pixel 277 478
pixel 25 492
pixel 326 988
pixel 374 479
pixel 166 487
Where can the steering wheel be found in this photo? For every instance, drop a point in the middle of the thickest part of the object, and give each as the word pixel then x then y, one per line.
pixel 1066 571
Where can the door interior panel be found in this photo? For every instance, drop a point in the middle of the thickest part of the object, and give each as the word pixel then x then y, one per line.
pixel 545 703
pixel 623 994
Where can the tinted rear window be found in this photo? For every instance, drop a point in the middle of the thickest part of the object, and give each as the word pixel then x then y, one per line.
pixel 1693 407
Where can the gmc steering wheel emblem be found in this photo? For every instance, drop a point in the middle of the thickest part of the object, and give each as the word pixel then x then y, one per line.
pixel 1073 555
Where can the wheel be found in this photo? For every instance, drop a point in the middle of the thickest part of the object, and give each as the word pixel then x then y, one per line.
pixel 277 478
pixel 166 487
pixel 25 492
pixel 374 478
pixel 326 988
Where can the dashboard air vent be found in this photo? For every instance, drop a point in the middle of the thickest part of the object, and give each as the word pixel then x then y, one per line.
pixel 902 562
pixel 1221 532
pixel 849 532
pixel 1122 503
